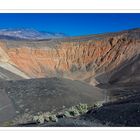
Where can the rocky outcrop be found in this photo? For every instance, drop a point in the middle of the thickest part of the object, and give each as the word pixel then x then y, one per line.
pixel 8 70
pixel 95 58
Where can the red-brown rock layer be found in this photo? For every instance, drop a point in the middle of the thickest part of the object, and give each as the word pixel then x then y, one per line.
pixel 71 58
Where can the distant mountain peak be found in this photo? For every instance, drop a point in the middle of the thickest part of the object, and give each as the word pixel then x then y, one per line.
pixel 29 34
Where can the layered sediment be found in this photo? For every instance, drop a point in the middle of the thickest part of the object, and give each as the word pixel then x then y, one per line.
pixel 95 58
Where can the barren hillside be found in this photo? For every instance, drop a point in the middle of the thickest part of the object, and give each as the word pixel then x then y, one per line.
pixel 111 57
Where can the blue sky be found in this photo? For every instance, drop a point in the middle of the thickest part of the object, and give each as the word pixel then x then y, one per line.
pixel 71 24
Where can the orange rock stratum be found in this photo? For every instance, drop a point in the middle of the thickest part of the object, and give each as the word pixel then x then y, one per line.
pixel 111 57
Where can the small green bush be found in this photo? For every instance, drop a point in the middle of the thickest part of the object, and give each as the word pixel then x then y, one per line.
pixel 67 114
pixel 99 104
pixel 76 110
pixel 53 118
pixel 22 119
pixel 41 118
pixel 82 108
pixel 73 111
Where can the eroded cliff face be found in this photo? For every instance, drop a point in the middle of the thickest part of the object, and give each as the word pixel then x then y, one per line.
pixel 83 58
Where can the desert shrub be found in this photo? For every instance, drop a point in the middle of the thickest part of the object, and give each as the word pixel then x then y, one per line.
pixel 35 118
pixel 67 114
pixel 98 104
pixel 22 119
pixel 41 118
pixel 76 110
pixel 46 116
pixel 73 111
pixel 53 118
pixel 82 108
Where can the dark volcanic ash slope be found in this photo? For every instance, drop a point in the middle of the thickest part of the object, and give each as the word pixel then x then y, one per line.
pixel 124 112
pixel 42 95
